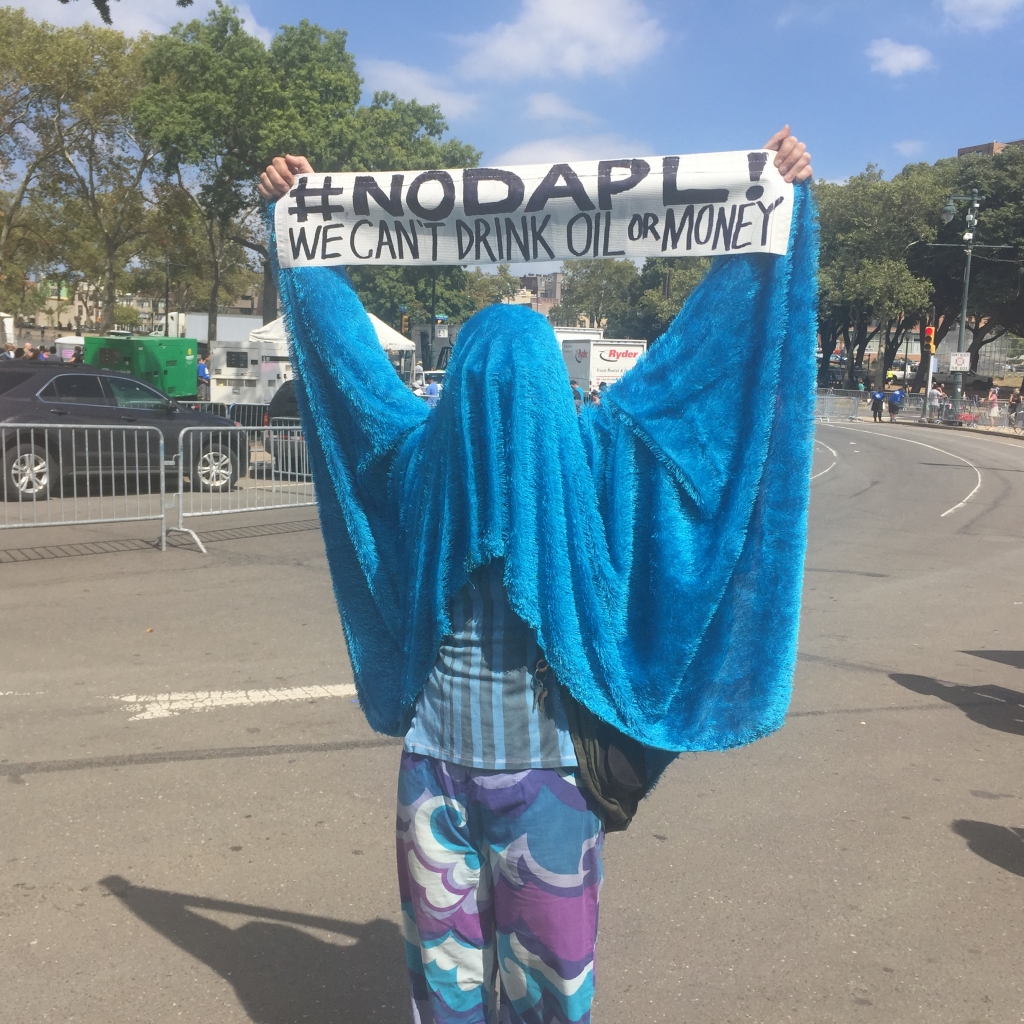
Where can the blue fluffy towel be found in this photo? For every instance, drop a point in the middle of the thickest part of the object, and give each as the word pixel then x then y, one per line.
pixel 655 542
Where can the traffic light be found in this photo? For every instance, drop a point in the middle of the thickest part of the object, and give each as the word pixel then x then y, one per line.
pixel 405 323
pixel 928 342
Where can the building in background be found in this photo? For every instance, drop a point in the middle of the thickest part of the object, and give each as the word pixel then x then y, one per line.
pixel 989 148
pixel 539 291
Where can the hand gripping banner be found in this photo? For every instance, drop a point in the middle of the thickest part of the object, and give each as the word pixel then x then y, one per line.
pixel 705 204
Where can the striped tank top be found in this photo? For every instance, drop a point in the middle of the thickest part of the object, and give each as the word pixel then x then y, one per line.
pixel 482 705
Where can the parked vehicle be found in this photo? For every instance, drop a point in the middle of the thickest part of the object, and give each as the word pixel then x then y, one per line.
pixel 88 419
pixel 591 363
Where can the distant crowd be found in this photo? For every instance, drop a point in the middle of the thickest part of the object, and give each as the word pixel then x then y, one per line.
pixel 41 354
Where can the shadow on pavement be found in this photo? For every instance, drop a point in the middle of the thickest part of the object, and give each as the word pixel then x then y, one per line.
pixel 280 972
pixel 998 844
pixel 996 707
pixel 1015 659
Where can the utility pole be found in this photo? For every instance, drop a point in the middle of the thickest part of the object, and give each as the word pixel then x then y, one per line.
pixel 433 317
pixel 948 213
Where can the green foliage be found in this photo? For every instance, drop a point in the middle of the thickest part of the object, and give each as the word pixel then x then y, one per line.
pixel 628 303
pixel 127 316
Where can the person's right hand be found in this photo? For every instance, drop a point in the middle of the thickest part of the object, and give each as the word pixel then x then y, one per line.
pixel 280 175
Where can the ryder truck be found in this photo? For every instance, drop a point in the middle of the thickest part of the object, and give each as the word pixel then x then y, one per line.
pixel 591 358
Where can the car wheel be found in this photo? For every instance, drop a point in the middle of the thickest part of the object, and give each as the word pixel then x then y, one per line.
pixel 215 470
pixel 28 473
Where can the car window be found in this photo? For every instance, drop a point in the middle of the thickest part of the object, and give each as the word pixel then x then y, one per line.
pixel 81 388
pixel 130 394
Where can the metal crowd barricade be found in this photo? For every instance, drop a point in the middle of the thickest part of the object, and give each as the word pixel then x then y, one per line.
pixel 74 475
pixel 830 407
pixel 241 469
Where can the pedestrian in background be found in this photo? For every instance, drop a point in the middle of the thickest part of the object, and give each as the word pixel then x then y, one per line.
pixel 877 405
pixel 29 351
pixel 993 407
pixel 577 395
pixel 203 380
pixel 77 357
pixel 1011 409
pixel 895 403
pixel 432 392
pixel 8 352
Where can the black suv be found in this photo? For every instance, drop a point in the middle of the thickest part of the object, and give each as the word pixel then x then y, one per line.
pixel 89 415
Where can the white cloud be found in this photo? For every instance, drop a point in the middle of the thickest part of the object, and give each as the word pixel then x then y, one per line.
pixel 909 147
pixel 132 18
pixel 895 59
pixel 587 147
pixel 416 84
pixel 563 37
pixel 979 14
pixel 549 106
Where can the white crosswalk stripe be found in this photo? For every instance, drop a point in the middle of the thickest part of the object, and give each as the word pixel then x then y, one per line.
pixel 163 705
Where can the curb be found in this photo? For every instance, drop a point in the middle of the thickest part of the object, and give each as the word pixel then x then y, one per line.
pixel 971 431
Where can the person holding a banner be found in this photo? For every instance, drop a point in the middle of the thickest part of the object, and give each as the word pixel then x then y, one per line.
pixel 549 605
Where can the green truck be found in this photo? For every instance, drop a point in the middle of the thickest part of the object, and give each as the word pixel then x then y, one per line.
pixel 168 364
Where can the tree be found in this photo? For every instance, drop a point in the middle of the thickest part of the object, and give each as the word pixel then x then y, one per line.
pixel 594 290
pixel 996 304
pixel 868 226
pixel 103 162
pixel 29 94
pixel 216 110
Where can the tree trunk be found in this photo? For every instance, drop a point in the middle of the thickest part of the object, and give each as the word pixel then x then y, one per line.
pixel 211 308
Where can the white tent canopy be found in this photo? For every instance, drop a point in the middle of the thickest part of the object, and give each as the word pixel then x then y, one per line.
pixel 390 339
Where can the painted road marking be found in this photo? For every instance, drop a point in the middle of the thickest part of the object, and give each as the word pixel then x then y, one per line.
pixel 942 451
pixel 835 457
pixel 163 705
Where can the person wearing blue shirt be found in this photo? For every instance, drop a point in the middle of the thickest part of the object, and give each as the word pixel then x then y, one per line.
pixel 203 381
pixel 895 404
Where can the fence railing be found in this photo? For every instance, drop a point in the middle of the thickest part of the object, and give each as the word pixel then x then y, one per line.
pixel 76 475
pixel 830 407
pixel 241 469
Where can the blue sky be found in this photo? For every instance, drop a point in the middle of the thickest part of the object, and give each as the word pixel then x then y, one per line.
pixel 530 80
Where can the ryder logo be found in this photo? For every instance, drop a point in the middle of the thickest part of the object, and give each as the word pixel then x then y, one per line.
pixel 613 355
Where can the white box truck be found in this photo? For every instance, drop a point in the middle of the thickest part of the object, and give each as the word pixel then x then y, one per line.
pixel 591 361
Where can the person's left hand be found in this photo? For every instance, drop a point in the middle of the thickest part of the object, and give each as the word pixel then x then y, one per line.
pixel 792 158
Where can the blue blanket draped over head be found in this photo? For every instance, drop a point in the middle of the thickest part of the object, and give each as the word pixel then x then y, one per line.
pixel 654 542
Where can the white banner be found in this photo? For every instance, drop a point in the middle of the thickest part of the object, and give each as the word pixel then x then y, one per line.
pixel 704 204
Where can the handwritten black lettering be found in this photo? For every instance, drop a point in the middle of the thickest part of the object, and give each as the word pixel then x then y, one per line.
pixel 444 207
pixel 606 188
pixel 710 211
pixel 605 251
pixel 352 240
pixel 755 164
pixel 537 234
pixel 497 237
pixel 482 230
pixel 651 225
pixel 366 185
pixel 302 192
pixel 550 189
pixel 432 226
pixel 723 228
pixel 471 179
pixel 570 240
pixel 673 233
pixel 410 237
pixel 635 231
pixel 384 238
pixel 740 225
pixel 597 233
pixel 522 241
pixel 671 195
pixel 300 243
pixel 326 238
pixel 766 212
pixel 460 227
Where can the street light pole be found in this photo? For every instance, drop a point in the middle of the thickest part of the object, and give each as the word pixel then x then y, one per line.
pixel 948 213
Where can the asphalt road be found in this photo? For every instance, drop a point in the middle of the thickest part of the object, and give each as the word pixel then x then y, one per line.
pixel 193 858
